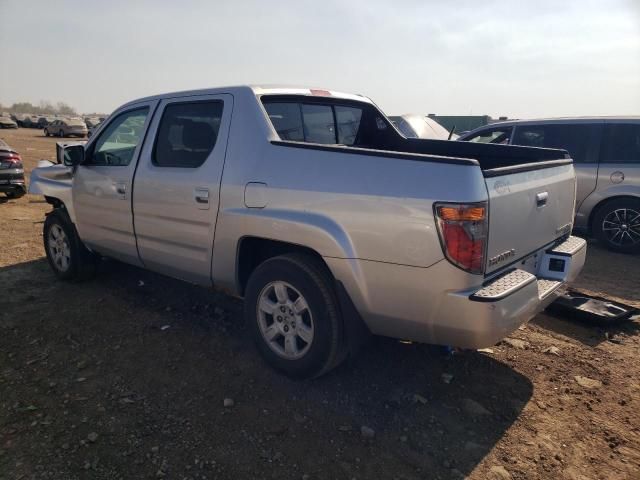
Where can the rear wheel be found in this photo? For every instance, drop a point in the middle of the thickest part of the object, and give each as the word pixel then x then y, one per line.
pixel 14 194
pixel 292 310
pixel 616 225
pixel 46 132
pixel 61 133
pixel 67 256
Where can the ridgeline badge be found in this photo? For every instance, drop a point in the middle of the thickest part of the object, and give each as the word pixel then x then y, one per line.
pixel 501 257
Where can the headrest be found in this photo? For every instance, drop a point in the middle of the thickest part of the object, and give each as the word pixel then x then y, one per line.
pixel 198 135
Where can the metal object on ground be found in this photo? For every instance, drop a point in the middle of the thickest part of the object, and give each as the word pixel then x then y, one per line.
pixel 590 309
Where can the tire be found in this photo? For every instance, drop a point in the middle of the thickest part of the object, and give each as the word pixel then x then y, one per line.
pixel 68 257
pixel 46 132
pixel 616 225
pixel 61 134
pixel 318 340
pixel 15 194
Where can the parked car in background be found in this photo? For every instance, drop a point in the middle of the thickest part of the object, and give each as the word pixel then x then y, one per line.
pixel 18 117
pixel 11 172
pixel 45 120
pixel 66 127
pixel 606 153
pixel 316 210
pixel 92 122
pixel 7 122
pixel 93 129
pixel 23 120
pixel 413 125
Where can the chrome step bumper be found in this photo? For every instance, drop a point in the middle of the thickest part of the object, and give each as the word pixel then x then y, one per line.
pixel 558 265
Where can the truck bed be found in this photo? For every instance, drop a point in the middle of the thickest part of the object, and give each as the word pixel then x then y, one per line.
pixel 489 156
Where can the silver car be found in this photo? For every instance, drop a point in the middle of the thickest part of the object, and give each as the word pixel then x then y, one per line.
pixel 415 125
pixel 322 216
pixel 7 122
pixel 606 152
pixel 66 127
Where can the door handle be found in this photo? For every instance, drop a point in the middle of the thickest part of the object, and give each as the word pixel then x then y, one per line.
pixel 541 199
pixel 201 196
pixel 121 189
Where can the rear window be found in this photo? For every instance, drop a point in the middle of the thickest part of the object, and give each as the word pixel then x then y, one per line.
pixel 621 143
pixel 187 134
pixel 315 122
pixel 580 140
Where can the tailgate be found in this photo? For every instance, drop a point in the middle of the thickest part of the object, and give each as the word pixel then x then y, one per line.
pixel 528 210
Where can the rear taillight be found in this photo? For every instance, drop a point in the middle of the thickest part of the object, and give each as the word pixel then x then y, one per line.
pixel 11 160
pixel 463 233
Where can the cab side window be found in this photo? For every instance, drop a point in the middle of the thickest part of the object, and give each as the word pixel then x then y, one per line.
pixel 621 143
pixel 117 144
pixel 187 134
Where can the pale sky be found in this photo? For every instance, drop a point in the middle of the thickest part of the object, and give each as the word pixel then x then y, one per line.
pixel 518 58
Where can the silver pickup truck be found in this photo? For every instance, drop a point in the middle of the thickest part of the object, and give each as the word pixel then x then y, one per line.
pixel 330 224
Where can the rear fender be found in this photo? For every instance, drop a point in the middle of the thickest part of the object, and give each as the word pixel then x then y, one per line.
pixel 311 230
pixel 587 209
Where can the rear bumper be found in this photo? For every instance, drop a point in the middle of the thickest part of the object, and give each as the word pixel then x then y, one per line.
pixel 421 305
pixel 506 302
pixel 79 133
pixel 11 181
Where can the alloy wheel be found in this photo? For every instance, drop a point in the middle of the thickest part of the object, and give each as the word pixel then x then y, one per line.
pixel 622 227
pixel 285 320
pixel 59 248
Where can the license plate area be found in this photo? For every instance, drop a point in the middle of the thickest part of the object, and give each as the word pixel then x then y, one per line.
pixel 554 267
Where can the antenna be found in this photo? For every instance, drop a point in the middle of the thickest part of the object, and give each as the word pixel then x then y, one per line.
pixel 451 132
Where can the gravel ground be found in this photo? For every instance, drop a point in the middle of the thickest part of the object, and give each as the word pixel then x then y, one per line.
pixel 135 375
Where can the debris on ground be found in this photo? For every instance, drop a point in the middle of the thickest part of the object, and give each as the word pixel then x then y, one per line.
pixel 516 343
pixel 552 350
pixel 587 382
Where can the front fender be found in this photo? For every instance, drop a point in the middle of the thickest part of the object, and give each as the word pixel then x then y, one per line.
pixel 53 181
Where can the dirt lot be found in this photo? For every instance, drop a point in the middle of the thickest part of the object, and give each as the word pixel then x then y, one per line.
pixel 125 377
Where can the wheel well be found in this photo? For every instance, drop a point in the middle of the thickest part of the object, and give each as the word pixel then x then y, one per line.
pixel 600 204
pixel 54 201
pixel 252 251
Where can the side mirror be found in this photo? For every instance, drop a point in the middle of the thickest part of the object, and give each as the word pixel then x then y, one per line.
pixel 70 155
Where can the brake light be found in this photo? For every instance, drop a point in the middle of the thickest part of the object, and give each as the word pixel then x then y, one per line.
pixel 11 160
pixel 463 234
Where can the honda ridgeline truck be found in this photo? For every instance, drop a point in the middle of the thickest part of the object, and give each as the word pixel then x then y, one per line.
pixel 330 224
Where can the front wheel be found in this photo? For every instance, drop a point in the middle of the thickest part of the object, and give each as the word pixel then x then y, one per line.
pixel 293 312
pixel 67 256
pixel 616 224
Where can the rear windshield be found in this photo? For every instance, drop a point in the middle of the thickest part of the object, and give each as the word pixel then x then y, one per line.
pixel 317 122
